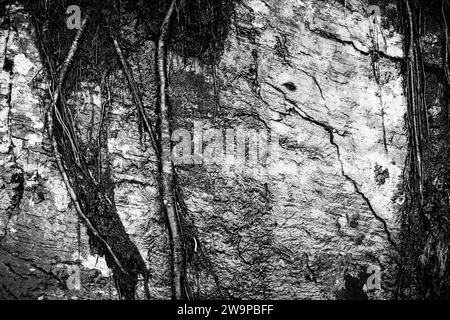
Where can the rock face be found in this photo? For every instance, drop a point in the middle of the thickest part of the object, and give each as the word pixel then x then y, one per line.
pixel 305 225
pixel 38 227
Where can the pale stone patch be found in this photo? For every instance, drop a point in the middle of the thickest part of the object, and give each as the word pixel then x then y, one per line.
pixel 118 163
pixel 18 145
pixel 4 145
pixel 281 167
pixel 34 139
pixel 94 262
pixel 115 145
pixel 5 200
pixel 37 121
pixel 259 6
pixel 3 120
pixel 315 213
pixel 60 194
pixel 22 64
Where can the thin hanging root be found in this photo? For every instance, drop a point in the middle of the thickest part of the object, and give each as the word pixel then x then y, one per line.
pixel 447 49
pixel 166 175
pixel 148 127
pixel 198 245
pixel 73 195
pixel 59 162
pixel 136 95
pixel 166 166
pixel 415 101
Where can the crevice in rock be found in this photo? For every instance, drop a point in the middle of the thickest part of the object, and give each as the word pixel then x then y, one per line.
pixel 32 263
pixel 17 177
pixel 331 132
pixel 303 114
pixel 311 275
pixel 375 58
pixel 428 66
pixel 318 86
pixel 333 37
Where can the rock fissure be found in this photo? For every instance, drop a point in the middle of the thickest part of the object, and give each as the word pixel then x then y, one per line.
pixel 304 115
pixel 331 131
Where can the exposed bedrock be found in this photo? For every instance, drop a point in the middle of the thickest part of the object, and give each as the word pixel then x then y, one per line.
pixel 306 226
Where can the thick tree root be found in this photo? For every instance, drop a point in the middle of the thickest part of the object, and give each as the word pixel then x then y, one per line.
pixel 95 207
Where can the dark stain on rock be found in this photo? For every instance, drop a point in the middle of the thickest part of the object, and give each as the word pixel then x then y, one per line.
pixel 290 86
pixel 381 175
pixel 289 143
pixel 8 65
pixel 353 289
pixel 17 182
pixel 353 220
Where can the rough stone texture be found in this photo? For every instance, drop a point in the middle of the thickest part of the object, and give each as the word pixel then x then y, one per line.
pixel 295 228
pixel 39 229
pixel 41 235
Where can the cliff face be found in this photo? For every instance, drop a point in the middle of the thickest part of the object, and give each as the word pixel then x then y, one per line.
pixel 320 76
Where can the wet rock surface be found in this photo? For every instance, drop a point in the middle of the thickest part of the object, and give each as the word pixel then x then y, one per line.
pixel 303 227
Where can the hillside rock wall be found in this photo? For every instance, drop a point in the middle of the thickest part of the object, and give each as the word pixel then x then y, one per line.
pixel 304 226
